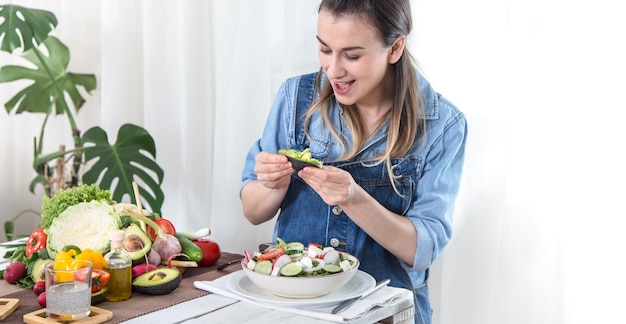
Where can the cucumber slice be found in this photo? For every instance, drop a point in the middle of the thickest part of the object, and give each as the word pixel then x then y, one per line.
pixel 296 256
pixel 264 267
pixel 291 269
pixel 332 268
pixel 295 246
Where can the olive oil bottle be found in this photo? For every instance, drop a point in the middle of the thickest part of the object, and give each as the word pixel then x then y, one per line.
pixel 119 265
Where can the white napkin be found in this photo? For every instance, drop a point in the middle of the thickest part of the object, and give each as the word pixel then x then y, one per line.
pixel 383 297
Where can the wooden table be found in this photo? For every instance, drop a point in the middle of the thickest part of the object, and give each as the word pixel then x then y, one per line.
pixel 198 306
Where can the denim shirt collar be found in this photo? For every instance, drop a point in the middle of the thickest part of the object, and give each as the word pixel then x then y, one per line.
pixel 431 102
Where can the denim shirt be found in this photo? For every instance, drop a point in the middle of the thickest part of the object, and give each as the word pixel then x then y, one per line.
pixel 427 178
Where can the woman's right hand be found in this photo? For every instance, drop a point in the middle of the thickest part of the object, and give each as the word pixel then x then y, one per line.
pixel 261 198
pixel 273 170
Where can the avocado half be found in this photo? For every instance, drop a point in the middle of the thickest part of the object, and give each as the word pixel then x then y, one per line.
pixel 99 296
pixel 301 159
pixel 160 281
pixel 38 269
pixel 136 243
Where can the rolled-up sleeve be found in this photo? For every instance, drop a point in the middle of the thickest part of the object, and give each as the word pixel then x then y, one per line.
pixel 438 187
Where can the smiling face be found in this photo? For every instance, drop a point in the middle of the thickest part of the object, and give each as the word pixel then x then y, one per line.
pixel 356 61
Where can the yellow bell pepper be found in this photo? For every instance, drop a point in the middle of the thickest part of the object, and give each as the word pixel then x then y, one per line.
pixel 66 255
pixel 66 260
pixel 96 258
pixel 71 257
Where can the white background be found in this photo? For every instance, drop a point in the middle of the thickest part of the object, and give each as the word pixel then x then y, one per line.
pixel 539 221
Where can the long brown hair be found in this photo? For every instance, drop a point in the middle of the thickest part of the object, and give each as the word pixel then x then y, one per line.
pixel 391 19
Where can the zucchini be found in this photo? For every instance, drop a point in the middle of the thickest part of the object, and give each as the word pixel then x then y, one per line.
pixel 190 248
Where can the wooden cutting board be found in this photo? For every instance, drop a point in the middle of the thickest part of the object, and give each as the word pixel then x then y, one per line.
pixel 7 306
pixel 98 315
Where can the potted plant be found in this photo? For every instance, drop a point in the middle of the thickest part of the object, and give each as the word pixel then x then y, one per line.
pixel 53 90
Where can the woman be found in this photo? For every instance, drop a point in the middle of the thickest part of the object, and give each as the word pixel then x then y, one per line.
pixel 392 149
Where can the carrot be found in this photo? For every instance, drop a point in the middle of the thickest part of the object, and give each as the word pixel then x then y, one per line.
pixel 271 254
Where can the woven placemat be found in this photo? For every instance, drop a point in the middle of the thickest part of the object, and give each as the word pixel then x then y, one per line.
pixel 138 304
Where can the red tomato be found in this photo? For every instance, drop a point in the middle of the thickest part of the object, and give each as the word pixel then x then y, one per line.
pixel 99 279
pixel 164 224
pixel 210 251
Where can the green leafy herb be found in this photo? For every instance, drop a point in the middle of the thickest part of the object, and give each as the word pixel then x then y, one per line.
pixel 18 255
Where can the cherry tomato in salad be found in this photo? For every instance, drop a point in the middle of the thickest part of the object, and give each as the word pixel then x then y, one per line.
pixel 165 226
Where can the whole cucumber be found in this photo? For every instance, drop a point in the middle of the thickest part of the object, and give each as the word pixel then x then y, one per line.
pixel 189 248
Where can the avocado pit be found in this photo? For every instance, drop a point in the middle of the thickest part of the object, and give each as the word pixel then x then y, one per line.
pixel 136 243
pixel 133 243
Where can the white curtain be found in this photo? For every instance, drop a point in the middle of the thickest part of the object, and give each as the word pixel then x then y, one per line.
pixel 539 221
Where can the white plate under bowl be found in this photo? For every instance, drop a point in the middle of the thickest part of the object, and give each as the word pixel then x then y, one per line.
pixel 243 286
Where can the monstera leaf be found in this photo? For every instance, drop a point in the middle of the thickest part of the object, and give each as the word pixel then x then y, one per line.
pixel 23 27
pixel 126 161
pixel 51 81
pixel 51 89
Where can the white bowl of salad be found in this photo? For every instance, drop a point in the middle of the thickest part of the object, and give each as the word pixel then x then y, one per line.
pixel 294 270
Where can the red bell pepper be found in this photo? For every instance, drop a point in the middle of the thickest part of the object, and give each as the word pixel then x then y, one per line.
pixel 36 241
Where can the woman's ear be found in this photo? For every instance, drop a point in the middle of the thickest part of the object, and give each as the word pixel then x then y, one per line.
pixel 396 49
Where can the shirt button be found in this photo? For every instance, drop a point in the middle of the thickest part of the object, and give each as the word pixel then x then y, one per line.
pixel 337 210
pixel 334 242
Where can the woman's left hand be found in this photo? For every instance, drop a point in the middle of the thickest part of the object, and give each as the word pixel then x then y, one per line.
pixel 334 185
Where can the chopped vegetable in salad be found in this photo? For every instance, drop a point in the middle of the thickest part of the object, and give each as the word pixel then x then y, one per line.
pixel 295 260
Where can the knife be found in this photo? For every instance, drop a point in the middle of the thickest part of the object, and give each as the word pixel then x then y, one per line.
pixel 347 303
pixel 223 266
